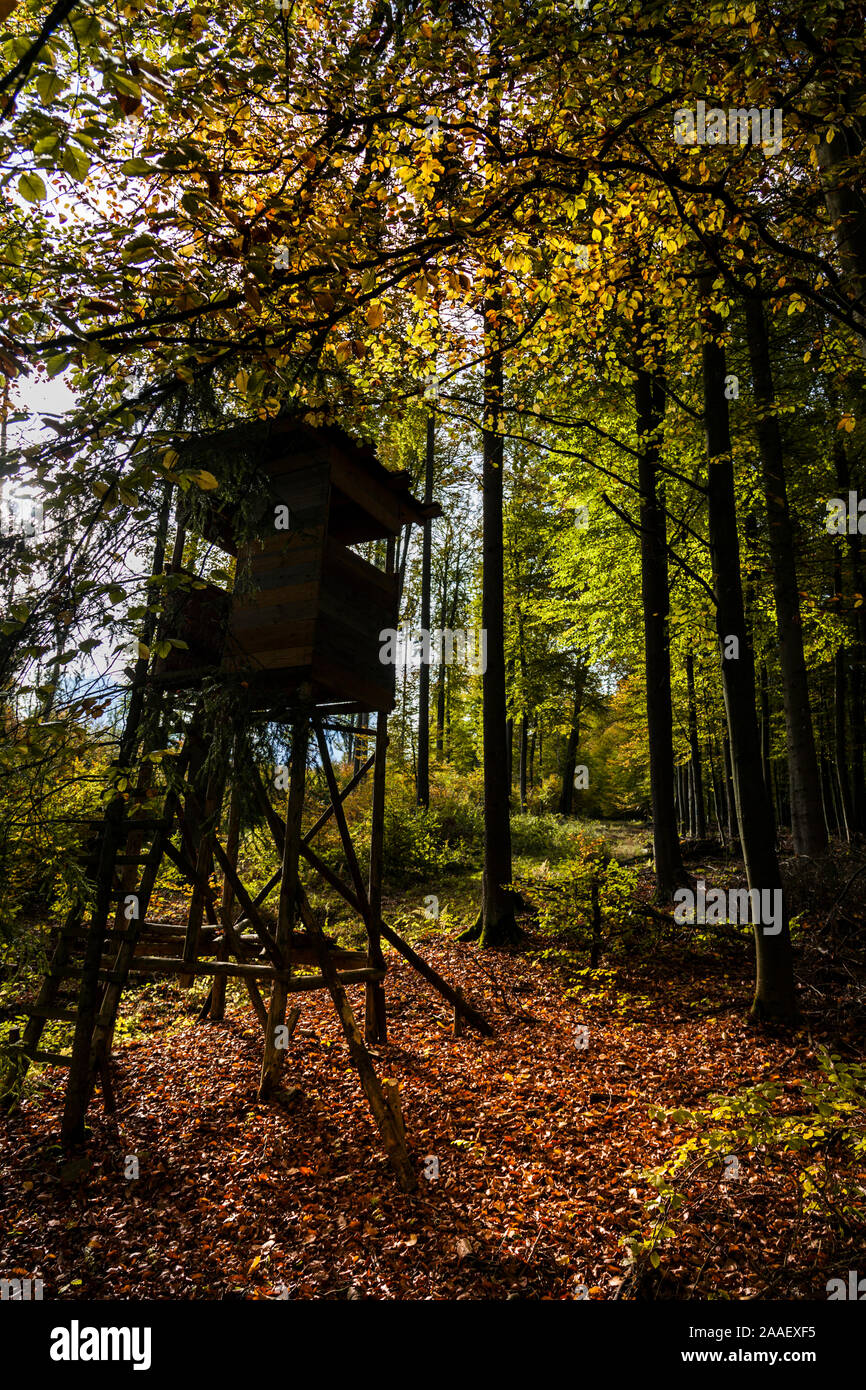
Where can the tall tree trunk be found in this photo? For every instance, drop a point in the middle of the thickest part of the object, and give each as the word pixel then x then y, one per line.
pixel 806 827
pixel 717 795
pixel 700 821
pixel 840 163
pixel 730 799
pixel 498 923
pixel 649 407
pixel 566 794
pixel 857 800
pixel 524 750
pixel 764 694
pixel 423 776
pixel 775 996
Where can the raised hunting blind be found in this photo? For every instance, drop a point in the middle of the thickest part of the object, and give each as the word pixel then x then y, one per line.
pixel 293 646
pixel 307 609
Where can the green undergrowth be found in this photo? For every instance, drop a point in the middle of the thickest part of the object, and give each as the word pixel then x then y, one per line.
pixel 811 1132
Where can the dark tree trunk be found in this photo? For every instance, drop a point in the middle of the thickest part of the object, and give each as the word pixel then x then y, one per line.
pixel 838 160
pixel 699 821
pixel 777 788
pixel 764 691
pixel 423 773
pixel 717 797
pixel 730 799
pixel 841 743
pixel 524 752
pixel 857 797
pixel 532 757
pixel 498 923
pixel 649 407
pixel 440 714
pixel 440 678
pixel 566 795
pixel 775 996
pixel 806 827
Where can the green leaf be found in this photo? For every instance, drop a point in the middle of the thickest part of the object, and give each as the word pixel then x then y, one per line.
pixel 125 84
pixel 49 86
pixel 87 29
pixel 75 162
pixel 136 166
pixel 31 187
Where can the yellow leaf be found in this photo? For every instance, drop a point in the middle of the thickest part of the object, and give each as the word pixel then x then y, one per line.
pixel 375 316
pixel 206 481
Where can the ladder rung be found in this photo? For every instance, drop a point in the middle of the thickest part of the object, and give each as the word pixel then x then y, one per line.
pixel 74 972
pixel 146 822
pixel 47 1011
pixel 297 984
pixel 80 935
pixel 56 1059
pixel 118 859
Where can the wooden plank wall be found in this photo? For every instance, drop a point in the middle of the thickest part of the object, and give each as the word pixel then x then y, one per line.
pixel 273 621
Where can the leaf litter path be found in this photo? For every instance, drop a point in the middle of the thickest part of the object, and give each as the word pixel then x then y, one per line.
pixel 538 1146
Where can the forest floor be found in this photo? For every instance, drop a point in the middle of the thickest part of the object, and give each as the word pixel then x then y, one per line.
pixel 532 1151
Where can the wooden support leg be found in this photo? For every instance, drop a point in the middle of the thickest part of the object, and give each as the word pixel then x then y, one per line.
pixel 388 1117
pixel 375 1016
pixel 108 1097
pixel 218 993
pixel 274 1055
pixel 203 866
pixel 80 1080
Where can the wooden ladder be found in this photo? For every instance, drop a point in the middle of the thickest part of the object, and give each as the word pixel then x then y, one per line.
pixel 95 959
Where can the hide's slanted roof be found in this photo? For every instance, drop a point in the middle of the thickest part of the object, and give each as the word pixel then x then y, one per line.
pixel 270 440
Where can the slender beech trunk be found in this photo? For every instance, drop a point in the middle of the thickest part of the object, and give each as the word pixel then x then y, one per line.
pixel 566 795
pixel 717 800
pixel 806 823
pixel 839 162
pixel 700 820
pixel 498 923
pixel 775 996
pixel 764 694
pixel 423 774
pixel 440 679
pixel 733 829
pixel 649 407
pixel 857 800
pixel 524 752
pixel 840 740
